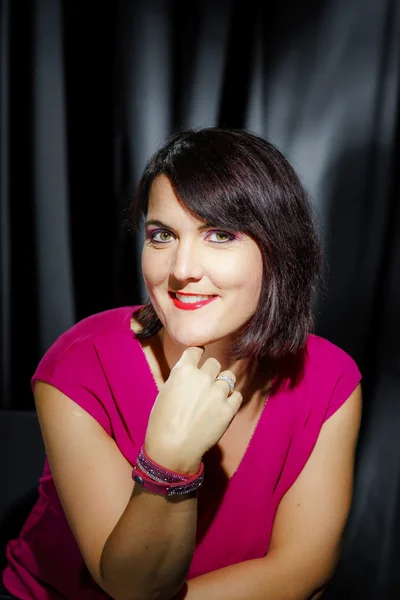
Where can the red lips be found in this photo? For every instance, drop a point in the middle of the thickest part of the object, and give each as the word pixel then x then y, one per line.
pixel 193 305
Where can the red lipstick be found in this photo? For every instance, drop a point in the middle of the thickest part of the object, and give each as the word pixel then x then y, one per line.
pixel 191 306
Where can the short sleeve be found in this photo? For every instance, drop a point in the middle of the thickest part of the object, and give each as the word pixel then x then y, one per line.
pixel 349 377
pixel 77 373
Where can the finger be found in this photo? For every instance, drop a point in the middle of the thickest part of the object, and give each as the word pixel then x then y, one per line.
pixel 211 366
pixel 191 355
pixel 226 385
pixel 235 401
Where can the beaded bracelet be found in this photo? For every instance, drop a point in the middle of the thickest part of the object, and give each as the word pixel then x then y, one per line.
pixel 155 478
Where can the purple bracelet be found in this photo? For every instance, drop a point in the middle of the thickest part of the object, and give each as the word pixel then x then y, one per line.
pixel 159 480
pixel 157 472
pixel 166 489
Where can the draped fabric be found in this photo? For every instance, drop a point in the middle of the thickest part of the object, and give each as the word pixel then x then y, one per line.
pixel 89 91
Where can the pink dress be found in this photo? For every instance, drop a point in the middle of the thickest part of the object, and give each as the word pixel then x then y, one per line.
pixel 101 366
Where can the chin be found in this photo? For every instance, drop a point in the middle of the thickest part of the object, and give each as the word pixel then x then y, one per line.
pixel 192 338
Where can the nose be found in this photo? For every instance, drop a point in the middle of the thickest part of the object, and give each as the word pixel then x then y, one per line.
pixel 187 261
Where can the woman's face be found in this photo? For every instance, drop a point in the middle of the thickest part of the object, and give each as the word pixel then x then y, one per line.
pixel 183 254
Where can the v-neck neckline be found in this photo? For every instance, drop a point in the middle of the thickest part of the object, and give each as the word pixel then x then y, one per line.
pixel 259 422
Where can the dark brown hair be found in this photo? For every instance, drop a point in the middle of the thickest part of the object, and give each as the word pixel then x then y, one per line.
pixel 240 182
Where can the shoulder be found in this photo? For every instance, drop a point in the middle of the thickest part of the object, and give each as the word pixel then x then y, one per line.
pixel 320 349
pixel 90 363
pixel 98 330
pixel 325 359
pixel 331 376
pixel 99 324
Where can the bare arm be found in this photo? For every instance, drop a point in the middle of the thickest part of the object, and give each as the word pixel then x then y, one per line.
pixel 136 545
pixel 132 542
pixel 308 527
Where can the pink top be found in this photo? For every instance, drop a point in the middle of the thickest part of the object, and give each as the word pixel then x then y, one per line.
pixel 101 365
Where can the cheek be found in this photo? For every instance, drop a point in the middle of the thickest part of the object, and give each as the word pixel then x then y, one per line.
pixel 243 273
pixel 258 273
pixel 154 268
pixel 251 277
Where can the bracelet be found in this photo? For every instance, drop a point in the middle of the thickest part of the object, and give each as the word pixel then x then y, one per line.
pixel 155 478
pixel 157 472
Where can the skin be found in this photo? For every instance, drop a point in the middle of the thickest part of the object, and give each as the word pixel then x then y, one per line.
pixel 184 258
pixel 188 262
pixel 111 517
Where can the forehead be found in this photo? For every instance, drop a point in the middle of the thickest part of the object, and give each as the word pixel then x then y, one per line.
pixel 164 202
pixel 161 191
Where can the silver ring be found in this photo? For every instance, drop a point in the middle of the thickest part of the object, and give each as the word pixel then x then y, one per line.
pixel 228 380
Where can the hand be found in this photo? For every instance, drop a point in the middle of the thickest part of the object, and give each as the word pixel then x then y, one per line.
pixel 191 413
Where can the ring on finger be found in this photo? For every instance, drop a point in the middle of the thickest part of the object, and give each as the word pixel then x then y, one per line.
pixel 228 380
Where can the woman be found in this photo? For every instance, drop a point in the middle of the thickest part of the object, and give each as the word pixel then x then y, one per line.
pixel 202 445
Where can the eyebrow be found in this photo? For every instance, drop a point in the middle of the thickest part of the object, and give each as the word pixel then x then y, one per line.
pixel 161 224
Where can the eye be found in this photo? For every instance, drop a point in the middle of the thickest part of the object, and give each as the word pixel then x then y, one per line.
pixel 226 237
pixel 163 236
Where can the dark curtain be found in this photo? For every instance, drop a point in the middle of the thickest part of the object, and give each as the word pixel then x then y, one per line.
pixel 89 91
